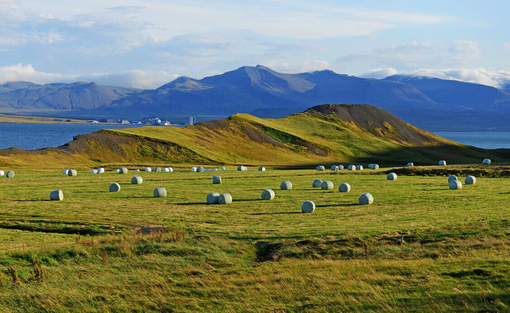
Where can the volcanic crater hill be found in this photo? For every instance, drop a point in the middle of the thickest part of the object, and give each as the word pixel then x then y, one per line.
pixel 324 134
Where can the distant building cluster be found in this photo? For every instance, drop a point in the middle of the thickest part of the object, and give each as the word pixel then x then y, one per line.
pixel 147 121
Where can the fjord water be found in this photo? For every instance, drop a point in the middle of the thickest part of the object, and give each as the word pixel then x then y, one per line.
pixel 30 136
pixel 486 140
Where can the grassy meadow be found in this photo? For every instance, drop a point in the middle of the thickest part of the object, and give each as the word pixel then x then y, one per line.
pixel 129 251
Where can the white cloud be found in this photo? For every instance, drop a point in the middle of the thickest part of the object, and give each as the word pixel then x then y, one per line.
pixel 506 45
pixel 306 66
pixel 380 73
pixel 131 79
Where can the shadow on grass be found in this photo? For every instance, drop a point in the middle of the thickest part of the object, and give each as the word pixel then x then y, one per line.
pixel 192 203
pixel 101 191
pixel 336 205
pixel 275 213
pixel 31 200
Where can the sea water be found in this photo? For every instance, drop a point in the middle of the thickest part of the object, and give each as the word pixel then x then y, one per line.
pixel 486 140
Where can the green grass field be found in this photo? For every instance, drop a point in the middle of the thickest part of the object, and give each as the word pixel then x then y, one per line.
pixel 129 251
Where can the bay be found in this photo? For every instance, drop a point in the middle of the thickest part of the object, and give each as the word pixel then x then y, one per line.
pixel 485 140
pixel 31 136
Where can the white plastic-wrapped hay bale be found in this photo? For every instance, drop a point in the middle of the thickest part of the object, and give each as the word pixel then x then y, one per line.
pixel 136 180
pixel 160 192
pixel 100 170
pixel 316 183
pixel 308 206
pixel 352 167
pixel 200 169
pixel 359 167
pixel 340 167
pixel 123 170
pixel 117 170
pixel 225 198
pixel 442 163
pixel 2 173
pixel 334 168
pixel 286 185
pixel 327 185
pixel 371 165
pixel 212 198
pixel 148 169
pixel 410 164
pixel 223 168
pixel 137 170
pixel 65 172
pixel 166 170
pixel 94 171
pixel 114 187
pixel 193 169
pixel 70 173
pixel 344 187
pixel 242 168
pixel 216 180
pixel 262 169
pixel 455 184
pixel 170 169
pixel 452 177
pixel 375 166
pixel 158 169
pixel 268 194
pixel 470 180
pixel 214 170
pixel 391 176
pixel 486 162
pixel 320 168
pixel 365 199
pixel 56 195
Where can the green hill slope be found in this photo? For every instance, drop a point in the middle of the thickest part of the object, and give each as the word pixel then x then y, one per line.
pixel 327 134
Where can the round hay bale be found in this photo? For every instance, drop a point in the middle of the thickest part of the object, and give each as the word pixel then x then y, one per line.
pixel 340 167
pixel 327 185
pixel 375 166
pixel 148 169
pixel 136 180
pixel 334 168
pixel 366 199
pixel 2 173
pixel 344 187
pixel 94 171
pixel 470 180
pixel 391 176
pixel 158 170
pixel 351 167
pixel 212 198
pixel 216 179
pixel 455 184
pixel 452 177
pixel 171 170
pixel 410 164
pixel 117 170
pixel 320 168
pixel 214 170
pixel 308 207
pixel 200 169
pixel 223 169
pixel 123 170
pixel 442 163
pixel 193 169
pixel 371 165
pixel 160 192
pixel 57 195
pixel 268 194
pixel 100 170
pixel 262 169
pixel 137 170
pixel 486 162
pixel 242 168
pixel 225 198
pixel 166 170
pixel 114 187
pixel 286 185
pixel 65 172
pixel 359 167
pixel 69 173
pixel 316 183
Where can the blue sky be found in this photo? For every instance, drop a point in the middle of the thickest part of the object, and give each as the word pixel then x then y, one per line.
pixel 145 44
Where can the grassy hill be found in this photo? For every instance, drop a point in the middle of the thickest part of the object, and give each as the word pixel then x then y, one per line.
pixel 326 134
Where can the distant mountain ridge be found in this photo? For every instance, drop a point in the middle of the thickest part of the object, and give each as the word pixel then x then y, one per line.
pixel 423 101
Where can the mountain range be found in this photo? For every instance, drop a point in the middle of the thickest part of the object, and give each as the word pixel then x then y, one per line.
pixel 430 103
